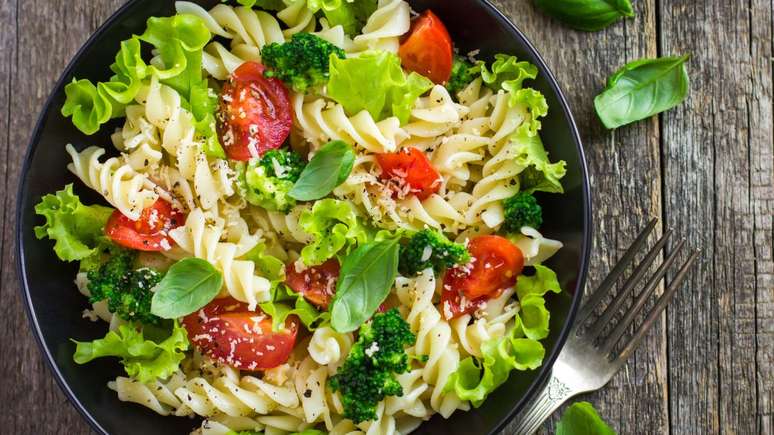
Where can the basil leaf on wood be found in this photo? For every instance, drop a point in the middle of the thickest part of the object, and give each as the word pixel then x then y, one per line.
pixel 329 167
pixel 642 88
pixel 366 277
pixel 190 284
pixel 588 15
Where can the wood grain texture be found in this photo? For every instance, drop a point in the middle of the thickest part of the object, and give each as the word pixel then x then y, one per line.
pixel 706 168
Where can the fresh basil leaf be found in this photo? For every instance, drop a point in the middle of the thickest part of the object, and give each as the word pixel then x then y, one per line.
pixel 642 88
pixel 582 419
pixel 588 15
pixel 366 277
pixel 190 284
pixel 329 167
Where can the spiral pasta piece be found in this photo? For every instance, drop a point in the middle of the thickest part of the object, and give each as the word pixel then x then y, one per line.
pixel 203 240
pixel 382 31
pixel 434 339
pixel 321 121
pixel 157 395
pixel 330 348
pixel 120 185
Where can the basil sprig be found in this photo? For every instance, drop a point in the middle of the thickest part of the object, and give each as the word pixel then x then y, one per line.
pixel 366 277
pixel 642 88
pixel 329 167
pixel 588 15
pixel 190 284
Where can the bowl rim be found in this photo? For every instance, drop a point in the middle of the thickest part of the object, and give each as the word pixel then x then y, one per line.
pixel 585 250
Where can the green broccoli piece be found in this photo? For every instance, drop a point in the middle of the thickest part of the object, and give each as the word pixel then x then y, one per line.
pixel 289 163
pixel 463 72
pixel 261 185
pixel 368 374
pixel 520 210
pixel 430 248
pixel 302 63
pixel 127 291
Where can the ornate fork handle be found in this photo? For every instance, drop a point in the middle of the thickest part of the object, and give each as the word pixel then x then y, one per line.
pixel 553 395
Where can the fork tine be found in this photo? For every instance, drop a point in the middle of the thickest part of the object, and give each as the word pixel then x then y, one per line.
pixel 627 319
pixel 615 306
pixel 657 309
pixel 604 288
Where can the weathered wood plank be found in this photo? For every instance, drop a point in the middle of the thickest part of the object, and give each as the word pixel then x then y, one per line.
pixel 624 167
pixel 718 187
pixel 38 40
pixel 718 192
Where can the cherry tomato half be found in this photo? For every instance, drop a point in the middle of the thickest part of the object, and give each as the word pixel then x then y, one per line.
pixel 317 283
pixel 412 167
pixel 149 232
pixel 495 265
pixel 427 49
pixel 228 332
pixel 254 115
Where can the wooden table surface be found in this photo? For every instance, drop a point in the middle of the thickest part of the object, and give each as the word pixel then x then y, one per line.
pixel 704 168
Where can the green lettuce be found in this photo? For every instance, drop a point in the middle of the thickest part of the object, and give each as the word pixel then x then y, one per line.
pixel 268 266
pixel 77 229
pixel 543 281
pixel 178 42
pixel 286 302
pixel 539 173
pixel 519 349
pixel 143 359
pixel 582 419
pixel 474 380
pixel 334 227
pixel 375 81
pixel 507 73
pixel 269 5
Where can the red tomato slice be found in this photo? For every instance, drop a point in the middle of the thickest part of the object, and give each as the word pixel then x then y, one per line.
pixel 228 332
pixel 254 114
pixel 317 284
pixel 149 232
pixel 427 49
pixel 496 264
pixel 412 169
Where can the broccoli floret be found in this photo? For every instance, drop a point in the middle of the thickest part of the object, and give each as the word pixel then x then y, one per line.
pixel 127 291
pixel 368 374
pixel 520 210
pixel 430 248
pixel 463 72
pixel 290 164
pixel 302 63
pixel 262 185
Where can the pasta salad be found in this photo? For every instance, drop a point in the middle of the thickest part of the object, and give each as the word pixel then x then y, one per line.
pixel 321 218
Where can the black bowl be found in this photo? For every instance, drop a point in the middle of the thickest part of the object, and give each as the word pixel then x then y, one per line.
pixel 55 306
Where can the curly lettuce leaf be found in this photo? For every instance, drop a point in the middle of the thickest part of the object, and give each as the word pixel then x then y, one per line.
pixel 269 5
pixel 286 302
pixel 539 173
pixel 177 42
pixel 76 228
pixel 334 227
pixel 375 81
pixel 352 15
pixel 543 281
pixel 144 360
pixel 474 380
pixel 506 72
pixel 582 419
pixel 268 266
pixel 519 349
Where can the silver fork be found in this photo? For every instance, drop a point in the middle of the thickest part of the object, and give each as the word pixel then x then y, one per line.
pixel 590 357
